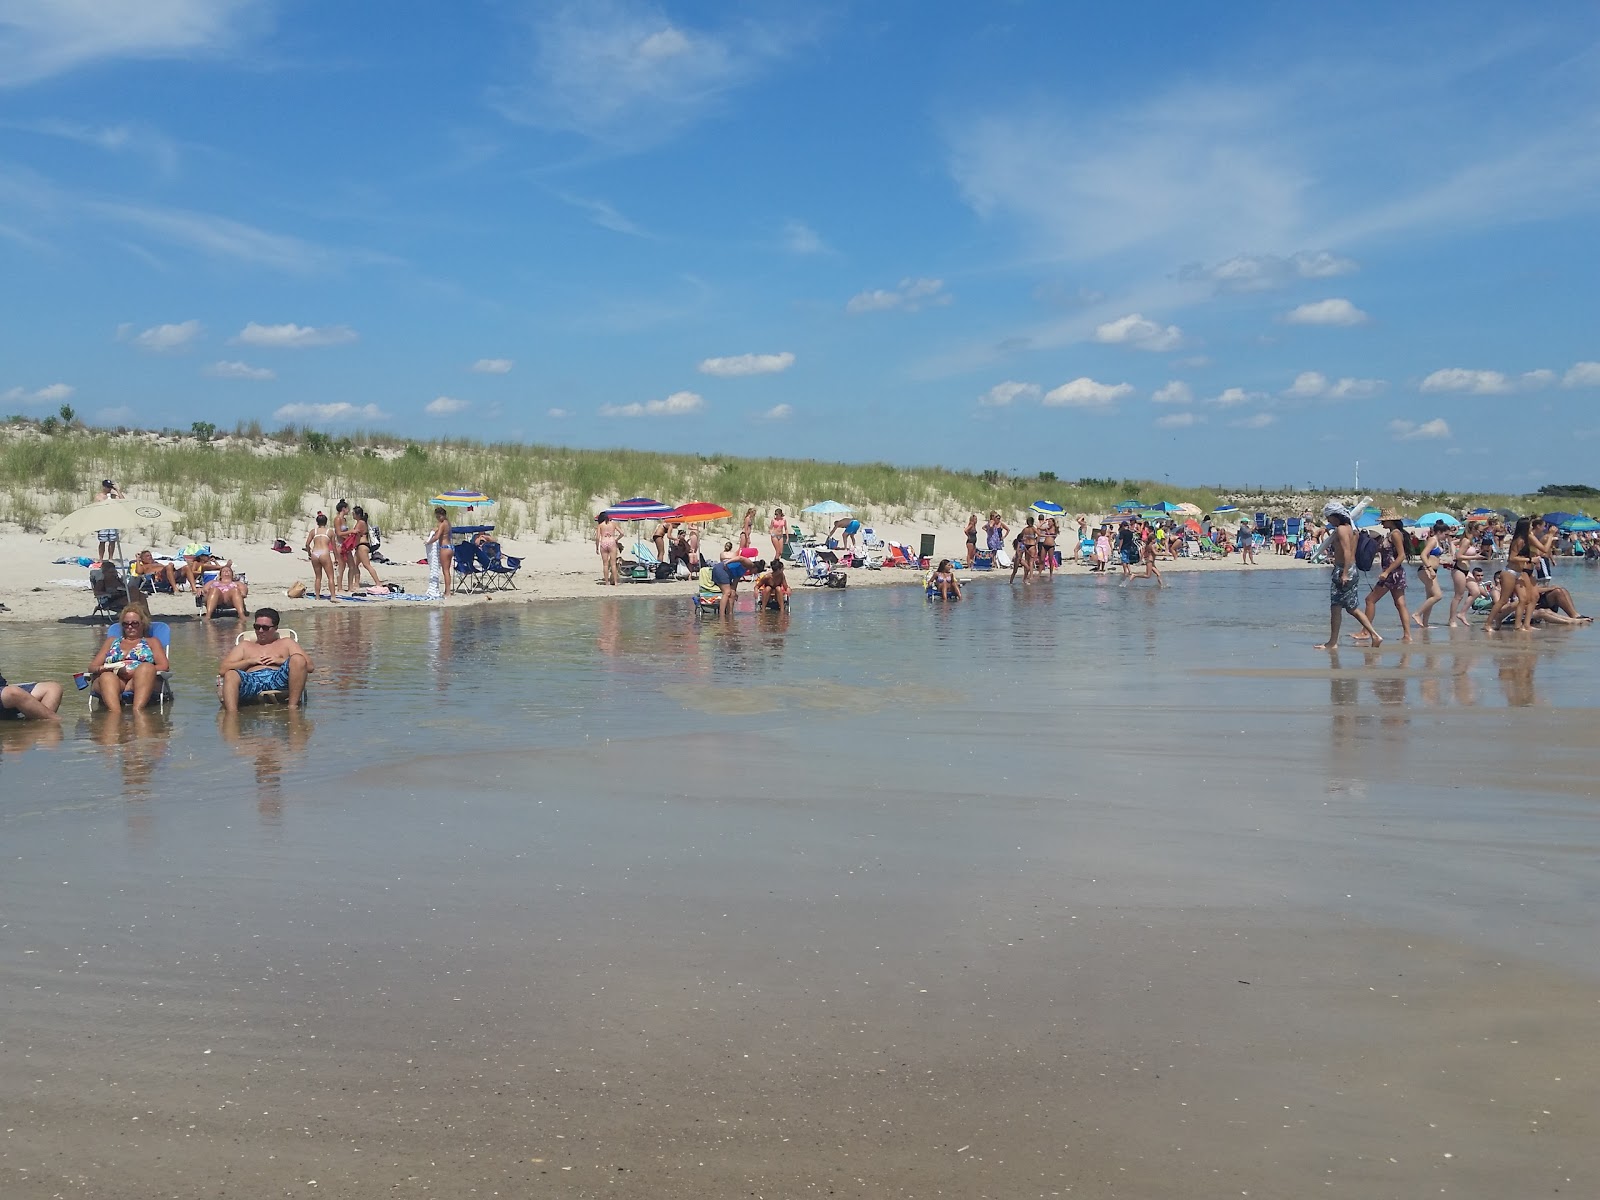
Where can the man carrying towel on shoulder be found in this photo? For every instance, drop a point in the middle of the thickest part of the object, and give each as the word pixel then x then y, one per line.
pixel 268 664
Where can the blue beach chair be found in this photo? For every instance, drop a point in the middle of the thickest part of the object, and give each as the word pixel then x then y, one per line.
pixel 163 634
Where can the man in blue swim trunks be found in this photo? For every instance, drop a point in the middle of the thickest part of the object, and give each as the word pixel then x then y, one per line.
pixel 268 664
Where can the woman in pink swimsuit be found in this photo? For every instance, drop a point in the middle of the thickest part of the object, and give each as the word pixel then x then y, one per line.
pixel 607 535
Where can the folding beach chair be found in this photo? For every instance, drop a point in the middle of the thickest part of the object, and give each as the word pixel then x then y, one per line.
pixel 470 575
pixel 273 695
pixel 163 634
pixel 499 569
pixel 106 603
pixel 817 569
pixel 645 566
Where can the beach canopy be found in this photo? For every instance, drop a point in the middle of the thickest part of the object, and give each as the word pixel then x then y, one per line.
pixel 112 514
pixel 461 498
pixel 639 508
pixel 1046 509
pixel 700 510
pixel 1430 519
pixel 828 508
pixel 1161 506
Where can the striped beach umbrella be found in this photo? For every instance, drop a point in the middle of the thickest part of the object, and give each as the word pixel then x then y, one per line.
pixel 461 498
pixel 640 508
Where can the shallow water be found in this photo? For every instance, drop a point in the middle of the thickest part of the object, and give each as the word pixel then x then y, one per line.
pixel 878 896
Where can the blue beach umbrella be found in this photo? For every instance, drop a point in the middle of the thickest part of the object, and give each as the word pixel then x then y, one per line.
pixel 1225 509
pixel 1161 506
pixel 1429 519
pixel 1561 518
pixel 1481 512
pixel 1129 505
pixel 1046 509
pixel 1367 518
pixel 828 508
pixel 1582 525
pixel 640 508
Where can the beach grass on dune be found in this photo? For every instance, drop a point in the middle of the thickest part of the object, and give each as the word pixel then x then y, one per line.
pixel 255 485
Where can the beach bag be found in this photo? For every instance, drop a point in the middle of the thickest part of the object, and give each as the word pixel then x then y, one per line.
pixel 1367 548
pixel 836 579
pixel 681 571
pixel 663 570
pixel 296 590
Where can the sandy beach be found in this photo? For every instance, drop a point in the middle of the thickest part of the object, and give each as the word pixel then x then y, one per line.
pixel 36 588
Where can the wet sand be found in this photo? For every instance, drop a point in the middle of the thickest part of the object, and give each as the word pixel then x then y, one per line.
pixel 1034 896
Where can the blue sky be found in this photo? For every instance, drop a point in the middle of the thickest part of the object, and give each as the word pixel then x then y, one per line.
pixel 1244 243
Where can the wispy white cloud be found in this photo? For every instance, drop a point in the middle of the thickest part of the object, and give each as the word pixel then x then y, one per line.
pixel 800 238
pixel 1134 330
pixel 125 138
pixel 445 406
pixel 294 337
pixel 1178 420
pixel 225 238
pixel 1412 431
pixel 51 393
pixel 747 364
pixel 1582 375
pixel 492 366
pixel 1084 392
pixel 1258 420
pixel 41 38
pixel 603 213
pixel 162 339
pixel 1490 383
pixel 676 405
pixel 239 370
pixel 557 413
pixel 625 74
pixel 340 413
pixel 911 296
pixel 1264 272
pixel 1334 311
pixel 1175 391
pixel 1002 394
pixel 778 412
pixel 1313 385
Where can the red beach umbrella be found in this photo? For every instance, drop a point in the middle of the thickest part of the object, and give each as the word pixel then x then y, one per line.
pixel 700 510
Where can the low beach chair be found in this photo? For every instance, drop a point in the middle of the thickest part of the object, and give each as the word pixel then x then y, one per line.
pixel 642 568
pixel 499 569
pixel 470 575
pixel 817 569
pixel 163 634
pixel 274 695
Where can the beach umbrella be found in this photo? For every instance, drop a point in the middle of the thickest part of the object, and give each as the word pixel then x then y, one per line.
pixel 1046 509
pixel 1161 506
pixel 1192 510
pixel 1481 512
pixel 1129 505
pixel 1429 519
pixel 1225 509
pixel 1366 518
pixel 112 514
pixel 1561 518
pixel 1582 525
pixel 460 498
pixel 700 510
pixel 639 508
pixel 828 508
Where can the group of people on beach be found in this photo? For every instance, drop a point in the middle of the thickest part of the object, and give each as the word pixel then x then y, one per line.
pixel 341 549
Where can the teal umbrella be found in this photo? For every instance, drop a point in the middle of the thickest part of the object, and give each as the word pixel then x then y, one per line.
pixel 1427 520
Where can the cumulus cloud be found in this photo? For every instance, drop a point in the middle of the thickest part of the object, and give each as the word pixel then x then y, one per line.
pixel 1496 383
pixel 329 414
pixel 1178 420
pixel 911 296
pixel 1084 392
pixel 1335 311
pixel 239 370
pixel 1314 385
pixel 1258 420
pixel 51 393
pixel 491 366
pixel 1175 391
pixel 778 412
pixel 1233 397
pixel 747 364
pixel 162 339
pixel 1133 330
pixel 676 405
pixel 294 337
pixel 1584 374
pixel 1264 272
pixel 445 406
pixel 1412 431
pixel 1002 394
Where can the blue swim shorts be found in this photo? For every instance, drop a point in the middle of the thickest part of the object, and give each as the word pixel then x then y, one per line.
pixel 273 679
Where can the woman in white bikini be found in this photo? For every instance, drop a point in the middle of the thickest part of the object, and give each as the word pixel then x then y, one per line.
pixel 324 559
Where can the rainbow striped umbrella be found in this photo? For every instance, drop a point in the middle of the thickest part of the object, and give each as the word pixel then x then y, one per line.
pixel 640 508
pixel 461 498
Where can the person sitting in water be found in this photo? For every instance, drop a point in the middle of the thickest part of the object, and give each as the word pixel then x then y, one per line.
pixel 772 588
pixel 268 664
pixel 226 590
pixel 29 701
pixel 943 581
pixel 129 660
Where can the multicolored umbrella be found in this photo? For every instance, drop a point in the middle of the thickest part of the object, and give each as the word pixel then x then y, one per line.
pixel 1046 509
pixel 461 498
pixel 700 510
pixel 640 508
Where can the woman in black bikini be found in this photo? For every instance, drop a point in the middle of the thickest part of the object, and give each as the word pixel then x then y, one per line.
pixel 1522 595
pixel 1023 550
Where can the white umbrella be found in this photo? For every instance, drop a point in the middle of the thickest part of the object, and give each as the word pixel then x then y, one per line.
pixel 112 514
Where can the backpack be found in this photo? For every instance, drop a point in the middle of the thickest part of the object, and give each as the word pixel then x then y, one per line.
pixel 1366 549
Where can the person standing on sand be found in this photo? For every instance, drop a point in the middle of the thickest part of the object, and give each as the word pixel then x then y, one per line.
pixel 778 530
pixel 1247 544
pixel 1102 550
pixel 440 553
pixel 1023 550
pixel 1438 554
pixel 110 539
pixel 971 532
pixel 746 526
pixel 1342 590
pixel 607 543
pixel 1391 573
pixel 324 558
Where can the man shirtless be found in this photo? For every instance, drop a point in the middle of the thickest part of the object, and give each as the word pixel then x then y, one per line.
pixel 1342 596
pixel 268 664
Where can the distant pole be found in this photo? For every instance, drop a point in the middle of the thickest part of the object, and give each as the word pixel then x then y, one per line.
pixel 1358 475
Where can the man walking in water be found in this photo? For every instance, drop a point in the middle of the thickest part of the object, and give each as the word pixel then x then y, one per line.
pixel 1342 591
